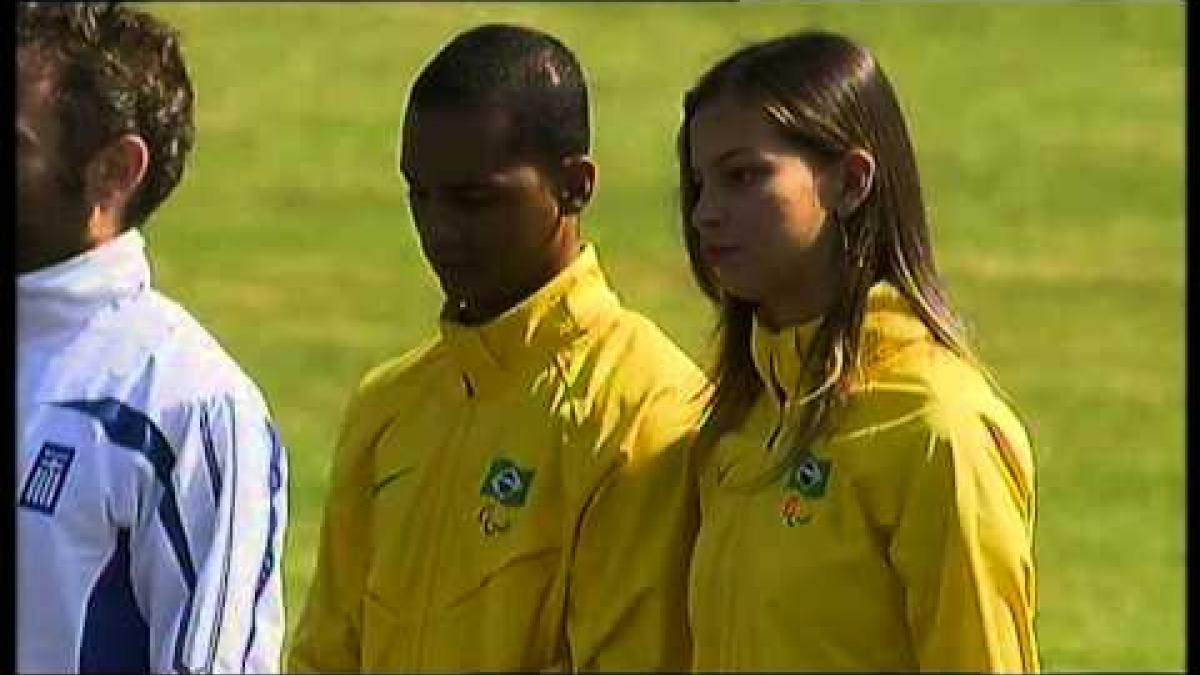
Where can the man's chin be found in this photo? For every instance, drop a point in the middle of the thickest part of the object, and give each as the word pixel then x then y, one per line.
pixel 455 301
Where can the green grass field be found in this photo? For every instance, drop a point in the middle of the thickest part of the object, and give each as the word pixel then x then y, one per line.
pixel 1050 137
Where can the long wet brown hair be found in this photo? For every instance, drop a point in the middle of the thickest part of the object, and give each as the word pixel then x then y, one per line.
pixel 830 96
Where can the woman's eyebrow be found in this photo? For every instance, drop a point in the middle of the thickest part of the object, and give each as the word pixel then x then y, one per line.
pixel 730 154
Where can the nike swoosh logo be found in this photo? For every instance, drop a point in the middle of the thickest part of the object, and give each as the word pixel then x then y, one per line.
pixel 389 478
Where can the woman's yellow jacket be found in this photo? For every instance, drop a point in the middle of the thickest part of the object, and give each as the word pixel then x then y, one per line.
pixel 903 542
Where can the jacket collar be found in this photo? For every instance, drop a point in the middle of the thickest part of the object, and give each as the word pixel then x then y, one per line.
pixel 522 339
pixel 779 355
pixel 66 295
pixel 779 358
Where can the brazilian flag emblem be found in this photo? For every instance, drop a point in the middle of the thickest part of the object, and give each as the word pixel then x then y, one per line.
pixel 810 477
pixel 805 483
pixel 506 482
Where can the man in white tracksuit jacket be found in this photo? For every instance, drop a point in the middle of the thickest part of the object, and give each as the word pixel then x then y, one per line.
pixel 151 483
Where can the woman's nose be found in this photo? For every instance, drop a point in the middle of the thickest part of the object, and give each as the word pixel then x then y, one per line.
pixel 705 214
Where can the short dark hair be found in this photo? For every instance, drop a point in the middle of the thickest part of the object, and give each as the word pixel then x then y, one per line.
pixel 115 71
pixel 521 70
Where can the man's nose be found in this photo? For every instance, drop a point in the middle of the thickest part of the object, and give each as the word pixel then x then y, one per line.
pixel 437 221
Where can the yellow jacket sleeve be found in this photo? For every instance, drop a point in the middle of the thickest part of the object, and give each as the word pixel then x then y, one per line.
pixel 627 603
pixel 327 637
pixel 963 550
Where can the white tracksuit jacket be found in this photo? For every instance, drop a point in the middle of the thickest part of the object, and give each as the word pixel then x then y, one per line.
pixel 151 484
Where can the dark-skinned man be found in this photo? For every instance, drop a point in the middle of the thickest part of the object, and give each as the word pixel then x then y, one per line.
pixel 516 494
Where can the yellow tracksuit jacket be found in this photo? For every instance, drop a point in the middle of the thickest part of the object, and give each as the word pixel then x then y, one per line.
pixel 515 496
pixel 902 543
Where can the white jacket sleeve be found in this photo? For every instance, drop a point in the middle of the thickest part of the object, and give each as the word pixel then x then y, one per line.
pixel 207 564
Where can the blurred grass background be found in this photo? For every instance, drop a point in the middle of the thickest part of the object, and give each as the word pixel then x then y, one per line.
pixel 1050 139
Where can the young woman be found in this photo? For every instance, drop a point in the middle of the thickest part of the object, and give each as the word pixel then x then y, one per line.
pixel 867 495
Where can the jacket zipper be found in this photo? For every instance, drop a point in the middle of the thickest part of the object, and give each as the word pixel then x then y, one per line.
pixel 448 470
pixel 781 397
pixel 738 530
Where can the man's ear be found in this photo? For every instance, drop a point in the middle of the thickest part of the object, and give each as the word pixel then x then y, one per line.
pixel 114 173
pixel 577 182
pixel 857 175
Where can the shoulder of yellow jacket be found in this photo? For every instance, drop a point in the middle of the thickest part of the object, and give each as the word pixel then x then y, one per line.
pixel 651 362
pixel 384 378
pixel 927 384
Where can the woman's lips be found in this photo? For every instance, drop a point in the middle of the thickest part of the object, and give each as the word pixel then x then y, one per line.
pixel 716 254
